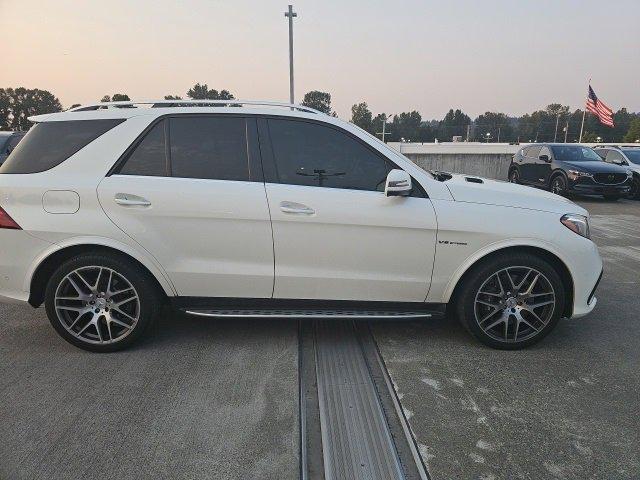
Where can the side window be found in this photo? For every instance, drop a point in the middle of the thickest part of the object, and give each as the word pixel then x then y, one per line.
pixel 320 156
pixel 148 158
pixel 13 142
pixel 602 152
pixel 534 152
pixel 212 148
pixel 614 156
pixel 544 151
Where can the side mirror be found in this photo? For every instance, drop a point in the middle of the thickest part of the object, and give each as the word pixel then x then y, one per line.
pixel 545 158
pixel 619 162
pixel 398 184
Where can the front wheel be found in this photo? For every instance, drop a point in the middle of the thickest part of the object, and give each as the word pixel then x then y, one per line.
pixel 559 185
pixel 100 303
pixel 511 302
pixel 635 188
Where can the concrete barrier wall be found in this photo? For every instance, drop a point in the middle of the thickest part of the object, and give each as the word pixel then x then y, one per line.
pixel 487 165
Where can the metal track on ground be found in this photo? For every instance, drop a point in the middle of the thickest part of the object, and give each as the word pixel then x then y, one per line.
pixel 351 425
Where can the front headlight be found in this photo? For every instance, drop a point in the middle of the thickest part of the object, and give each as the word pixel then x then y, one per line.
pixel 577 223
pixel 576 174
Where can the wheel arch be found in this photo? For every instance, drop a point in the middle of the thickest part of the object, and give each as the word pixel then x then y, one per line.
pixel 553 259
pixel 45 265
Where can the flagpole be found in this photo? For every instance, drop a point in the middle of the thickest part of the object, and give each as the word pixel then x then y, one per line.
pixel 584 112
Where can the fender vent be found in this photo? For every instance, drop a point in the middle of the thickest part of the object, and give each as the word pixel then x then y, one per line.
pixel 473 179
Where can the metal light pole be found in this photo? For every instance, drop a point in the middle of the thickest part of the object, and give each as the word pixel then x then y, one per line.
pixel 291 15
pixel 384 132
pixel 555 134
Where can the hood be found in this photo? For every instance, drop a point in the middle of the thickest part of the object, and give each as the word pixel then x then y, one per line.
pixel 595 167
pixel 494 192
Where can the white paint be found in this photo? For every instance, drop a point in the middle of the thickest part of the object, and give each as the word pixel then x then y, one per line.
pixel 435 384
pixel 484 445
pixel 476 458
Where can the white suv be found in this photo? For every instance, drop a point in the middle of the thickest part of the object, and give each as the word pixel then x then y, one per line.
pixel 110 211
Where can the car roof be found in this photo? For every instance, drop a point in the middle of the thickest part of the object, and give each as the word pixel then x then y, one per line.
pixel 155 108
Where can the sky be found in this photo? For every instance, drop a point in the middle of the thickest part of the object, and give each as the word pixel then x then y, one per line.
pixel 511 56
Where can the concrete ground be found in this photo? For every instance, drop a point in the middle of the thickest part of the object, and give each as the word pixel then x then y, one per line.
pixel 197 399
pixel 566 408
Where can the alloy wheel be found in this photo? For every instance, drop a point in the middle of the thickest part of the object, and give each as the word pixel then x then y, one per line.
pixel 97 305
pixel 515 177
pixel 514 304
pixel 557 186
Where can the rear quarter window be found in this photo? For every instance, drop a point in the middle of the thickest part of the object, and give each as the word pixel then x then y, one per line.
pixel 49 144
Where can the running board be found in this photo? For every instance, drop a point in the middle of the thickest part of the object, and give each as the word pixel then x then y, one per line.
pixel 310 313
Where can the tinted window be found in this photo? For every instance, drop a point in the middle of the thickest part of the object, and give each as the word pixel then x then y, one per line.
pixel 575 153
pixel 633 155
pixel 602 152
pixel 320 156
pixel 13 142
pixel 4 139
pixel 49 144
pixel 209 147
pixel 534 151
pixel 149 157
pixel 613 155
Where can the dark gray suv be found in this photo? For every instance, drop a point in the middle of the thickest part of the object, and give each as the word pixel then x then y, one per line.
pixel 9 141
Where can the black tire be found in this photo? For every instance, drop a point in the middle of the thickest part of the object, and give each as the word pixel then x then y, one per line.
pixel 558 185
pixel 147 305
pixel 466 306
pixel 634 193
pixel 612 198
pixel 514 176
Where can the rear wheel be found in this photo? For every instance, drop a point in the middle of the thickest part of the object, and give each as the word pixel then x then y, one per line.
pixel 511 302
pixel 100 303
pixel 514 176
pixel 559 185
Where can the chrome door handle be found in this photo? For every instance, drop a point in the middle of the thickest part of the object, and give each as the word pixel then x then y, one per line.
pixel 127 200
pixel 296 208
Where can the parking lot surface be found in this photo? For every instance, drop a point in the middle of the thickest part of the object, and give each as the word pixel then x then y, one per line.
pixel 219 399
pixel 197 399
pixel 565 408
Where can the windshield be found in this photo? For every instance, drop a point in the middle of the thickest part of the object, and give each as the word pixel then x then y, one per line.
pixel 633 155
pixel 575 153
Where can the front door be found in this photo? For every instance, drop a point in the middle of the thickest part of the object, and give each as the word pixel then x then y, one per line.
pixel 189 193
pixel 336 235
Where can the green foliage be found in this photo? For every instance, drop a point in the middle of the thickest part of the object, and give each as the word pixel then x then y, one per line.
pixel 172 97
pixel 16 105
pixel 633 134
pixel 497 125
pixel 202 92
pixel 120 97
pixel 319 100
pixel 454 123
pixel 589 137
pixel 409 127
pixel 362 117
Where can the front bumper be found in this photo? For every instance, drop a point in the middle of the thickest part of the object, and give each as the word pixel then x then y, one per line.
pixel 588 186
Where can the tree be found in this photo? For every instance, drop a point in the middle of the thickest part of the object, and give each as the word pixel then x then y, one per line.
pixel 362 117
pixel 319 100
pixel 172 97
pixel 410 127
pixel 105 99
pixel 120 97
pixel 497 125
pixel 633 134
pixel 16 105
pixel 453 123
pixel 202 92
pixel 74 105
pixel 589 137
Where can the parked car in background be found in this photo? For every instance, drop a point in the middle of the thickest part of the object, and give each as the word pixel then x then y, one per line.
pixel 628 157
pixel 273 210
pixel 564 168
pixel 9 141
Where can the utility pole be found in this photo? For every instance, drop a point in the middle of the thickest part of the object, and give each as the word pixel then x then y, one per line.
pixel 468 130
pixel 384 132
pixel 291 15
pixel 566 131
pixel 555 134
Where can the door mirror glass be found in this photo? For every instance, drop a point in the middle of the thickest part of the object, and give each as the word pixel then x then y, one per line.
pixel 619 161
pixel 545 158
pixel 398 184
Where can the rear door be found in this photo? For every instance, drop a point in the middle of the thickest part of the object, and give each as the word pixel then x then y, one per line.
pixel 543 169
pixel 191 192
pixel 336 235
pixel 528 168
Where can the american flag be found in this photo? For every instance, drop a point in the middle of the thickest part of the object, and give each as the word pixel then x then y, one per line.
pixel 599 109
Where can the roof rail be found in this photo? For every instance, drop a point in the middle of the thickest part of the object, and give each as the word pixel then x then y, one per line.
pixel 183 103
